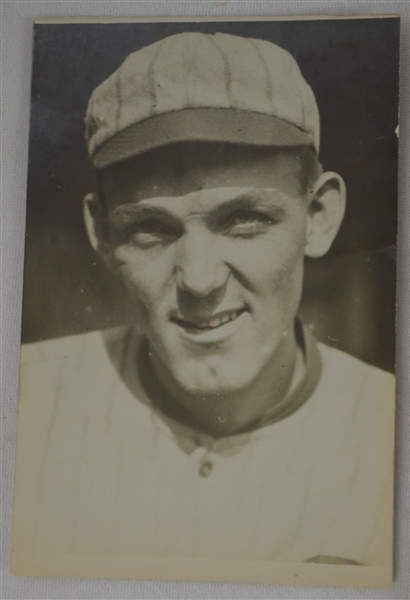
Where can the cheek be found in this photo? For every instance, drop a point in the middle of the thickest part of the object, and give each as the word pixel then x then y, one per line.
pixel 288 278
pixel 145 275
pixel 278 296
pixel 290 262
pixel 282 297
pixel 272 266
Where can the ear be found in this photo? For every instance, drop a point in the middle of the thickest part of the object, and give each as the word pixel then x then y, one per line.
pixel 327 202
pixel 95 220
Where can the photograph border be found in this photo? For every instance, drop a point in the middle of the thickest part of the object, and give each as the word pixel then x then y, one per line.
pixel 402 333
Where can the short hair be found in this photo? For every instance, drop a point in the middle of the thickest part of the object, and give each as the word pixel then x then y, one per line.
pixel 310 168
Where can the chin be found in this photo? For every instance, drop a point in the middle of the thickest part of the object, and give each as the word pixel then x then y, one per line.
pixel 207 379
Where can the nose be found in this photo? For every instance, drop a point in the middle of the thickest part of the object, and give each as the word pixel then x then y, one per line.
pixel 200 269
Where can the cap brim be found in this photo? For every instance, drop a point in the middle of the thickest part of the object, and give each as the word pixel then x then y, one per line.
pixel 200 125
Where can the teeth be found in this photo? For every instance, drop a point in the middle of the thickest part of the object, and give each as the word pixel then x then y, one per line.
pixel 218 321
pixel 215 322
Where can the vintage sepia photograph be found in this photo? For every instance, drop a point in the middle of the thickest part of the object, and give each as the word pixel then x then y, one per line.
pixel 207 385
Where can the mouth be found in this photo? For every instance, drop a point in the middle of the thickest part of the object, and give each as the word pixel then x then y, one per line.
pixel 216 322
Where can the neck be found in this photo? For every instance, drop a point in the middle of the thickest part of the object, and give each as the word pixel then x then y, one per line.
pixel 226 414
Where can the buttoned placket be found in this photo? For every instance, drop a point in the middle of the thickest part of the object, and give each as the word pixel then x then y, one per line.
pixel 205 452
pixel 203 457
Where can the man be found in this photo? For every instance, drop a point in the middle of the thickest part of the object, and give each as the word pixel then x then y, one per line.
pixel 214 426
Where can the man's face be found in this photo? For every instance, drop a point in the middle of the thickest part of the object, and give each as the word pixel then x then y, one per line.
pixel 209 241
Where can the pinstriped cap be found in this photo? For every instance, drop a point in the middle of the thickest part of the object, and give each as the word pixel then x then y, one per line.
pixel 201 87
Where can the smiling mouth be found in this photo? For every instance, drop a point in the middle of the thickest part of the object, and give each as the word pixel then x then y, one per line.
pixel 214 323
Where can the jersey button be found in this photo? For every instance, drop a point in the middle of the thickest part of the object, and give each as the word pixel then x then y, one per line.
pixel 206 468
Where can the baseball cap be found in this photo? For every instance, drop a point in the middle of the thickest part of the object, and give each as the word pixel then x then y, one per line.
pixel 201 87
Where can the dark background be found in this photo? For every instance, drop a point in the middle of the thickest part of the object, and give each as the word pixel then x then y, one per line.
pixel 352 67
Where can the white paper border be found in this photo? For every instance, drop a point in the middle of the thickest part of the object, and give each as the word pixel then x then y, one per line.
pixel 17 16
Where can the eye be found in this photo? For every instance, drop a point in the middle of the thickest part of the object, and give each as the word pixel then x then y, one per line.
pixel 248 216
pixel 149 232
pixel 151 226
pixel 247 222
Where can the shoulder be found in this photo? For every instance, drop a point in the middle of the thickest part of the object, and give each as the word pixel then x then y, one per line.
pixel 356 381
pixel 350 433
pixel 70 379
pixel 356 392
pixel 344 368
pixel 71 348
pixel 69 367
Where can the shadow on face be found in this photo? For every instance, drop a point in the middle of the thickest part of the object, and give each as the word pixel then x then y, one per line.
pixel 179 169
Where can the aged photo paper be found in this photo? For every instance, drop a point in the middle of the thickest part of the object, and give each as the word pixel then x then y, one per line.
pixel 207 367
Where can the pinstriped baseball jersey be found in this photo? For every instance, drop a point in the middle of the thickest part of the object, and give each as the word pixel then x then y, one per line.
pixel 102 470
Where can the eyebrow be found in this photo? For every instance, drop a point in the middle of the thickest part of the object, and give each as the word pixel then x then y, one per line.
pixel 248 201
pixel 126 212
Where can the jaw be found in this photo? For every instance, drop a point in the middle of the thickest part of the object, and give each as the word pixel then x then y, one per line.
pixel 218 362
pixel 222 393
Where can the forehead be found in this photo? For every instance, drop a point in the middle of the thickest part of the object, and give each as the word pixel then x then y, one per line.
pixel 181 169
